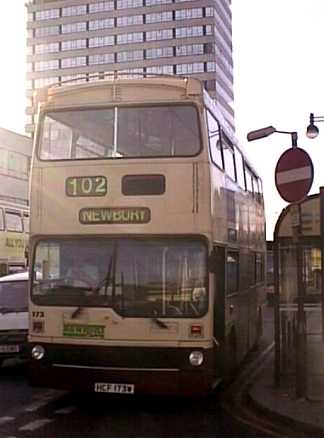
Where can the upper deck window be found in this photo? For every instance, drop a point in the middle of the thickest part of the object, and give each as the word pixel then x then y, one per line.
pixel 159 131
pixel 14 221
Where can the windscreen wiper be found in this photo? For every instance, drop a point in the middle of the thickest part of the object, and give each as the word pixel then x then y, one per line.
pixel 4 310
pixel 159 322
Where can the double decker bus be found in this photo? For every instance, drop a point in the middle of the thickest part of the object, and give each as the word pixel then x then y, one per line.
pixel 147 240
pixel 14 232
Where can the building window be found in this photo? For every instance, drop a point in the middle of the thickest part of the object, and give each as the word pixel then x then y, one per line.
pixel 211 66
pixel 105 58
pixel 101 24
pixel 47 31
pixel 190 31
pixel 158 35
pixel 52 64
pixel 209 12
pixel 70 11
pixel 189 50
pixel 136 55
pixel 101 7
pixel 101 41
pixel 188 14
pixel 74 27
pixel 159 17
pixel 78 61
pixel 196 67
pixel 41 49
pixel 74 44
pixel 127 38
pixel 129 20
pixel 128 4
pixel 13 163
pixel 47 14
pixel 159 52
pixel 157 2
pixel 161 69
pixel 209 29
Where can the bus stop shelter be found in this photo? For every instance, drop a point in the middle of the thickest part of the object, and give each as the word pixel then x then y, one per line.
pixel 298 291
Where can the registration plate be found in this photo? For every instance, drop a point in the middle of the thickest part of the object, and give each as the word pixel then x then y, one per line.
pixel 115 388
pixel 9 348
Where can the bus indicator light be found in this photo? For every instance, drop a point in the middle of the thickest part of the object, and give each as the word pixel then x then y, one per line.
pixel 196 331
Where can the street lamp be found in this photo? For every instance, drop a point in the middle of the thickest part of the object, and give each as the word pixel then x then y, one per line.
pixel 312 130
pixel 265 132
pixel 301 322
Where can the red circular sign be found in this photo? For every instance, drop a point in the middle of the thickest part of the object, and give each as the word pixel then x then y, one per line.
pixel 294 174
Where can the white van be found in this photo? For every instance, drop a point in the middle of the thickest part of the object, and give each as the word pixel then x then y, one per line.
pixel 13 316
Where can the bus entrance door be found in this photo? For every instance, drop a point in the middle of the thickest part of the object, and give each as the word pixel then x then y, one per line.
pixel 218 268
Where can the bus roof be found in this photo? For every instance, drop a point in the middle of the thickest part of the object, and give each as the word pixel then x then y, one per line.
pixel 87 92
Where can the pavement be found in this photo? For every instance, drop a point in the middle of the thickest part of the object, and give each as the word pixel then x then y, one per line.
pixel 280 402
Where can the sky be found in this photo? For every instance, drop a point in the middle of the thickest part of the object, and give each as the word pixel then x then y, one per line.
pixel 278 74
pixel 278 81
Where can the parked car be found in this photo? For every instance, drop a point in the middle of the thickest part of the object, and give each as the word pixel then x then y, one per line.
pixel 13 316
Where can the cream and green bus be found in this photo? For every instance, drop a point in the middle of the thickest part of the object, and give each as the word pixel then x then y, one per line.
pixel 14 232
pixel 147 240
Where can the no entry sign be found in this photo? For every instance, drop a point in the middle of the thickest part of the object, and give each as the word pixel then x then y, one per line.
pixel 294 174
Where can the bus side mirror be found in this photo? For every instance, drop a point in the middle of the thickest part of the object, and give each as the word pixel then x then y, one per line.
pixel 212 261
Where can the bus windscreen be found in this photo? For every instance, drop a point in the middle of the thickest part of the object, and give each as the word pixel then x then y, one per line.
pixel 135 277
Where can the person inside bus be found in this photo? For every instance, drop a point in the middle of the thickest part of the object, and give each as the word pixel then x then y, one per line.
pixel 82 273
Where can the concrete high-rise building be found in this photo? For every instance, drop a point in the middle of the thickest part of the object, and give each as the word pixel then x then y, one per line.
pixel 75 39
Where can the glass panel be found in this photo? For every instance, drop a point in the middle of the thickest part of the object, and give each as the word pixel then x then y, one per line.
pixel 313 274
pixel 13 296
pixel 144 278
pixel 13 221
pixel 287 274
pixel 77 134
pixel 214 141
pixel 158 131
pixel 229 160
pixel 142 131
pixel 232 272
pixel 239 168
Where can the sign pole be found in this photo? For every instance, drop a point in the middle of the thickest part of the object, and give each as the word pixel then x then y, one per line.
pixel 301 366
pixel 322 256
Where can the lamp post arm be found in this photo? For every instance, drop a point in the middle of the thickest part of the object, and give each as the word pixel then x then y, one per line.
pixel 294 137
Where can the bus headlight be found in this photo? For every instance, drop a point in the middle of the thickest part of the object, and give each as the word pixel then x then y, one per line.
pixel 196 358
pixel 38 352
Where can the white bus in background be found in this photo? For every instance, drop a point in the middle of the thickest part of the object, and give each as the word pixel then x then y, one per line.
pixel 14 233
